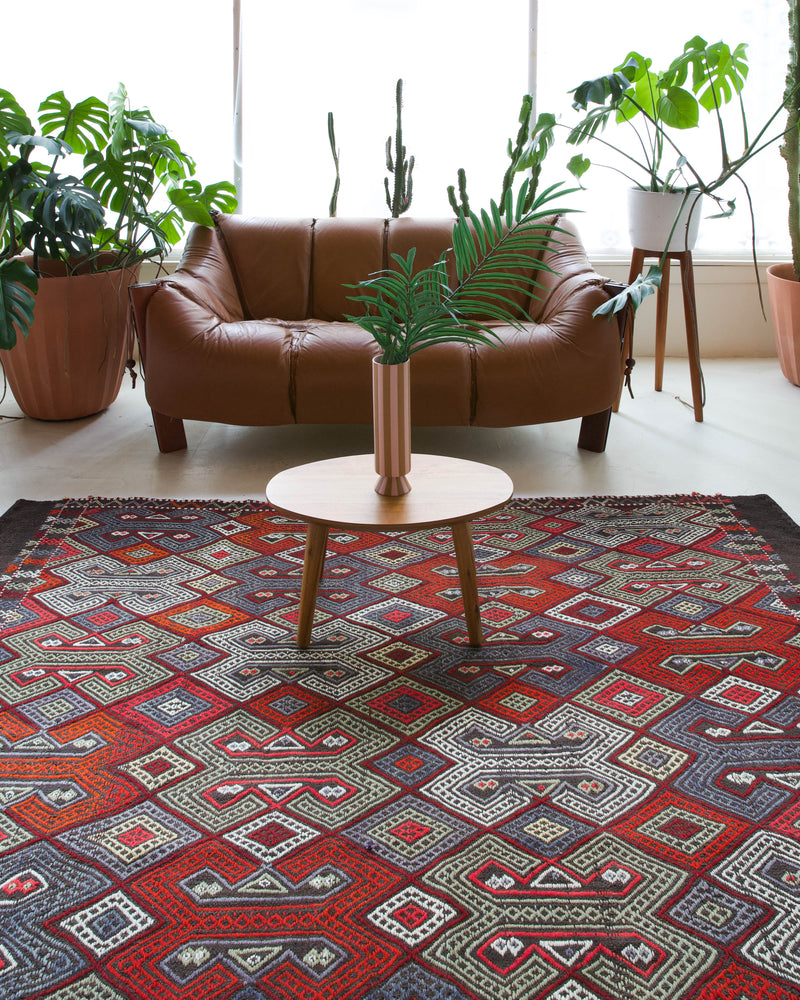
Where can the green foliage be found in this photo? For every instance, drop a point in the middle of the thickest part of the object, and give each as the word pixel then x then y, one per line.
pixel 659 105
pixel 515 152
pixel 526 153
pixel 495 254
pixel 18 287
pixel 635 293
pixel 129 164
pixel 399 199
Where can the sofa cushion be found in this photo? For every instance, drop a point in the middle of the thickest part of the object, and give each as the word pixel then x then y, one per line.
pixel 271 261
pixel 345 251
pixel 332 377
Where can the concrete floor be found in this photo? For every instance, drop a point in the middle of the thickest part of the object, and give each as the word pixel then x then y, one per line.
pixel 748 443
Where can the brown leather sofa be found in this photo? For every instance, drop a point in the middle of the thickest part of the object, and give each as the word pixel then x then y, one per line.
pixel 249 330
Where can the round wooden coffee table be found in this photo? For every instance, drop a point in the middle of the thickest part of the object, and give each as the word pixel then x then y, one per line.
pixel 339 492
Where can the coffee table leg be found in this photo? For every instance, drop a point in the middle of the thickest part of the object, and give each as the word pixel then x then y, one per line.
pixel 465 557
pixel 313 561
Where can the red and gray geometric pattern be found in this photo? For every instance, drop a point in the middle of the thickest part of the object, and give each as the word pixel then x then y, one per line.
pixel 602 801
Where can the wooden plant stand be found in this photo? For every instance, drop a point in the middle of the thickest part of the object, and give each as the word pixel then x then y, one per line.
pixel 684 257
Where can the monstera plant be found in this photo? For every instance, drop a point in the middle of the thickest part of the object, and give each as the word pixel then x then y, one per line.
pixel 88 192
pixel 657 109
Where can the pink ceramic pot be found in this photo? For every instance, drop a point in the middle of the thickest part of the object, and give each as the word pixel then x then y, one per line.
pixel 71 363
pixel 784 297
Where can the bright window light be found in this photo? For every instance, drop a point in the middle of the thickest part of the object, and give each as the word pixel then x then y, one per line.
pixel 464 64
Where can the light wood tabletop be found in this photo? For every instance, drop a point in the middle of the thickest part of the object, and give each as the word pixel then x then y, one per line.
pixel 340 492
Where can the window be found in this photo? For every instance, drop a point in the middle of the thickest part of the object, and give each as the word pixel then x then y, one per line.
pixel 174 58
pixel 577 56
pixel 465 68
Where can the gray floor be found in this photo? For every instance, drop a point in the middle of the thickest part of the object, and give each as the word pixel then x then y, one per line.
pixel 748 443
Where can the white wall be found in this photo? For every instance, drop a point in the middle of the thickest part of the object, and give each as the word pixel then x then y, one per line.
pixel 729 316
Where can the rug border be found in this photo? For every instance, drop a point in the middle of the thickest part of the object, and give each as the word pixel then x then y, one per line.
pixel 25 518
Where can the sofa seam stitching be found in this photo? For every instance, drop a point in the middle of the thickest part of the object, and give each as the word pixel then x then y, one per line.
pixel 234 271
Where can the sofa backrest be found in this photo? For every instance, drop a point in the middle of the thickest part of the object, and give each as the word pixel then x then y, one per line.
pixel 294 269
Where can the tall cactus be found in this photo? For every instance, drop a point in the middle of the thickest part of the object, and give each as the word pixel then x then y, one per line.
pixel 335 154
pixel 398 200
pixel 790 148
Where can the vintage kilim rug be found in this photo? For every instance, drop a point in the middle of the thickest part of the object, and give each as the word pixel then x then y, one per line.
pixel 602 802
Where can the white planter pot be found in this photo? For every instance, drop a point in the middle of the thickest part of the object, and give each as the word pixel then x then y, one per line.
pixel 651 215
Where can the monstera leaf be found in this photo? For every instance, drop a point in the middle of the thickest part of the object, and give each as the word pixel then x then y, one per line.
pixel 83 126
pixel 12 116
pixel 18 287
pixel 120 183
pixel 195 203
pixel 635 293
pixel 64 216
pixel 717 71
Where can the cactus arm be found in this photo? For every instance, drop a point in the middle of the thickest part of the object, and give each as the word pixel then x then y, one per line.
pixel 790 148
pixel 335 154
pixel 515 152
pixel 462 193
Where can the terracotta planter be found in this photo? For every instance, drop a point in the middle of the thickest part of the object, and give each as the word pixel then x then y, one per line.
pixel 784 297
pixel 651 215
pixel 391 416
pixel 72 361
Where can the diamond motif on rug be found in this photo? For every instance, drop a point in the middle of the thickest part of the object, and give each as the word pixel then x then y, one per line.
pixel 603 800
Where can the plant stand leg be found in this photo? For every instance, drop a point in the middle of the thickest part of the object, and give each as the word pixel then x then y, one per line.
pixel 662 305
pixel 594 431
pixel 313 561
pixel 465 558
pixel 692 335
pixel 169 432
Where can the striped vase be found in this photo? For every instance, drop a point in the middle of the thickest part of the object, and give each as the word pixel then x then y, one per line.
pixel 391 417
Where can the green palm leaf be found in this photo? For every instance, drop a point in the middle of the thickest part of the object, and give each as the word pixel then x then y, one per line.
pixel 18 287
pixel 496 254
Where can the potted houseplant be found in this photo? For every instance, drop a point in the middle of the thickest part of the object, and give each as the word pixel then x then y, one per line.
pixel 407 311
pixel 784 279
pixel 657 107
pixel 71 245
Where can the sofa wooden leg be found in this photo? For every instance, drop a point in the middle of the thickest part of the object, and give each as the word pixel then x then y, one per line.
pixel 169 432
pixel 594 431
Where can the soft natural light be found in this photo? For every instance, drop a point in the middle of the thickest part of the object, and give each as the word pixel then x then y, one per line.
pixel 594 38
pixel 174 58
pixel 465 68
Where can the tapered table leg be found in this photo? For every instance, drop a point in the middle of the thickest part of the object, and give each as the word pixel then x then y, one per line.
pixel 465 557
pixel 313 561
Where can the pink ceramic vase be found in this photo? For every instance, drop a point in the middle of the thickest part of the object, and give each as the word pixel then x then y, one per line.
pixel 391 416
